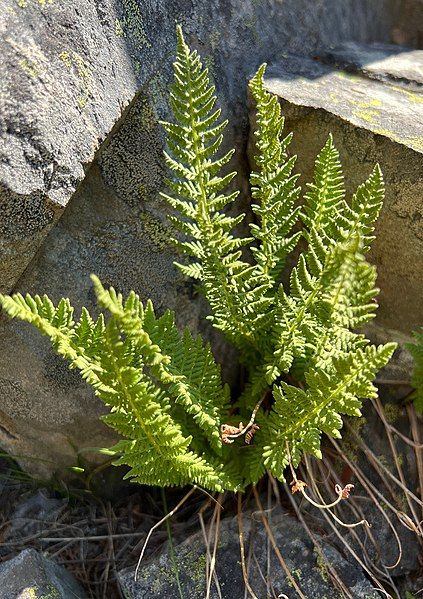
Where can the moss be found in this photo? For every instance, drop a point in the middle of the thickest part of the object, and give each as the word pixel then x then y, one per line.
pixel 383 460
pixel 400 501
pixel 321 565
pixel 392 412
pixel 297 573
pixel 197 569
pixel 349 444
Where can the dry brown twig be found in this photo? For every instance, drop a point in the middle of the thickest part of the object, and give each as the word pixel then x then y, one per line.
pixel 298 485
pixel 229 432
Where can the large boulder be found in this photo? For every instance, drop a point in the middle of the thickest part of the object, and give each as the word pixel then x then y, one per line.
pixel 81 168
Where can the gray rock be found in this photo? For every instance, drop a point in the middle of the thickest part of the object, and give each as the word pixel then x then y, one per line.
pixel 380 61
pixel 90 77
pixel 30 575
pixel 309 569
pixel 372 121
pixel 32 512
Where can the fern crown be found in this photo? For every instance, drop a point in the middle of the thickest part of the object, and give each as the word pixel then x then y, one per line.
pixel 297 339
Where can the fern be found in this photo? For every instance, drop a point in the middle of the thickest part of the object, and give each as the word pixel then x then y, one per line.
pixel 298 340
pixel 143 383
pixel 416 350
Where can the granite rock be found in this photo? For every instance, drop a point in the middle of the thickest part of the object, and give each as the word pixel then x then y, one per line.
pixel 385 62
pixel 30 575
pixel 308 567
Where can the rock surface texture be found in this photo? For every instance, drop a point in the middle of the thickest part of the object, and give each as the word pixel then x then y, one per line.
pixel 309 567
pixel 372 121
pixel 30 575
pixel 81 166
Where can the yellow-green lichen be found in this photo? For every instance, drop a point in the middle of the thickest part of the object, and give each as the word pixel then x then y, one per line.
pixel 414 142
pixel 214 40
pixel 157 232
pixel 24 3
pixel 251 23
pixel 350 76
pixel 74 62
pixel 209 63
pixel 369 116
pixel 31 59
pixel 412 96
pixel 158 93
pixel 119 31
pixel 133 23
pixel 369 104
pixel 30 67
pixel 33 593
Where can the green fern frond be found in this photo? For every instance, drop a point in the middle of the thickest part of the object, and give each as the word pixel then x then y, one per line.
pixel 231 286
pixel 332 285
pixel 326 194
pixel 143 382
pixel 300 416
pixel 273 185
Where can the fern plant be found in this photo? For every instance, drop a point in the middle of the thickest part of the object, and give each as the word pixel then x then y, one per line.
pixel 297 341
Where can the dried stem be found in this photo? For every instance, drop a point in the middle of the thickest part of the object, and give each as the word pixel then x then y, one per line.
pixel 159 523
